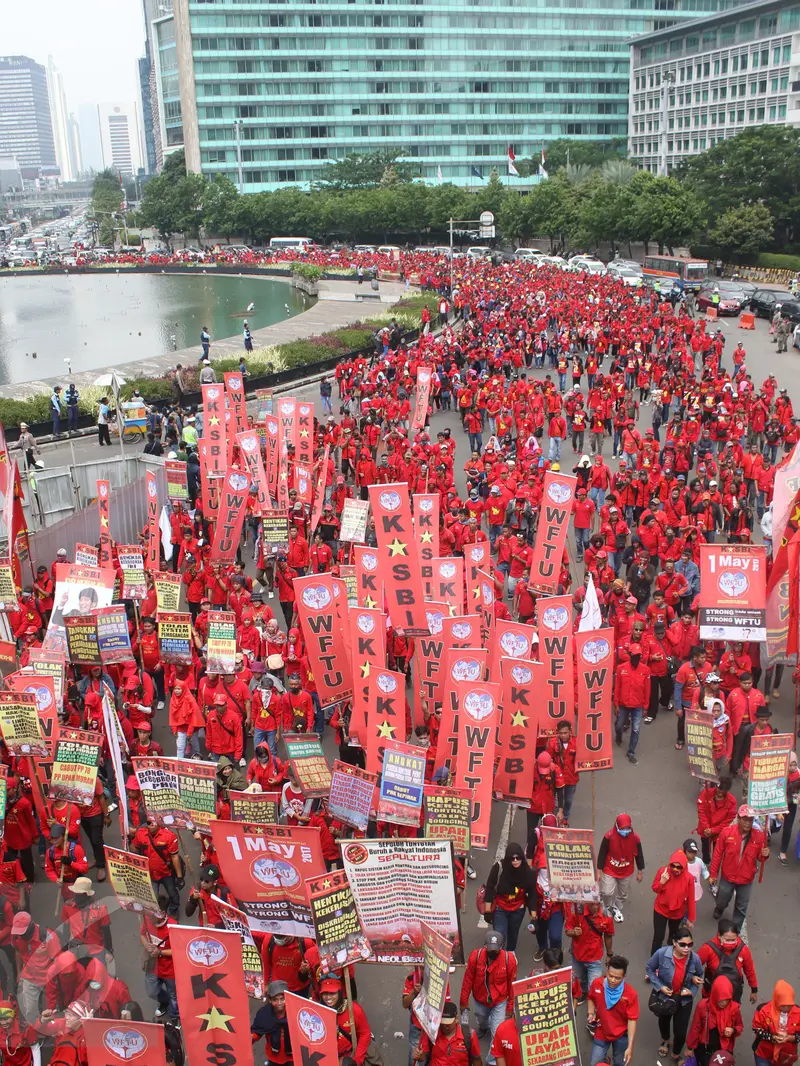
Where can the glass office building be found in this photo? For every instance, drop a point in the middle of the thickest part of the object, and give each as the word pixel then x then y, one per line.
pixel 273 90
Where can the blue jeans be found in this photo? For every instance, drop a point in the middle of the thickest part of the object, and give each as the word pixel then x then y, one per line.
pixel 56 424
pixel 170 887
pixel 475 442
pixel 509 924
pixel 599 497
pixel 600 1050
pixel 586 972
pixel 413 1040
pixel 635 714
pixel 562 382
pixel 549 930
pixel 494 533
pixel 72 417
pixel 266 736
pixel 319 717
pixel 162 990
pixel 327 406
pixel 555 448
pixel 581 541
pixel 569 796
pixel 488 1018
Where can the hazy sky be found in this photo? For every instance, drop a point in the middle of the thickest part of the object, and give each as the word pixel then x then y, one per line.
pixel 95 43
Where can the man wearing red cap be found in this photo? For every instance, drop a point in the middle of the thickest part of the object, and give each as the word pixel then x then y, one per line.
pixel 21 830
pixel 224 730
pixel 739 849
pixel 547 791
pixel 631 695
pixel 65 860
pixel 620 853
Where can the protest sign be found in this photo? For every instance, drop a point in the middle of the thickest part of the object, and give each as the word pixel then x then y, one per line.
pixel 8 590
pixel 546 1019
pixel 177 482
pixel 337 927
pixel 109 1041
pixel 274 532
pixel 313 1031
pixel 325 640
pixel 430 1001
pixel 168 590
pixel 448 816
pixel 213 1003
pixel 595 657
pixel 19 724
pixel 556 655
pixel 235 921
pixel 397 885
pixel 461 663
pixel 447 582
pixel 3 798
pixel 733 592
pixel 79 590
pixel 175 637
pixel 769 766
pixel 558 494
pixel 75 762
pixel 43 690
pixel 368 649
pixel 699 727
pixel 103 508
pixel 265 867
pixel 86 555
pixel 131 561
pixel 113 636
pixel 351 794
pixel 571 867
pixel 129 875
pixel 354 520
pixel 386 714
pixel 43 663
pixel 255 806
pixel 221 643
pixel 477 731
pixel 398 557
pixel 308 762
pixel 402 781
pixel 264 400
pixel 82 646
pixel 369 584
pixel 428 653
pixel 520 694
pixel 178 793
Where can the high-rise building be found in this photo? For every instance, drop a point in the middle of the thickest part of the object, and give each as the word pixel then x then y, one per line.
pixel 699 83
pixel 76 152
pixel 145 69
pixel 26 129
pixel 120 137
pixel 164 96
pixel 60 119
pixel 284 88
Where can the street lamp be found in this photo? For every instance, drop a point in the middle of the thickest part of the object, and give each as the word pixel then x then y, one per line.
pixel 237 133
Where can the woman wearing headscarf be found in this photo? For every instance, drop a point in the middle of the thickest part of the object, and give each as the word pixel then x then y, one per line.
pixel 777 1028
pixel 510 888
pixel 185 719
pixel 717 1022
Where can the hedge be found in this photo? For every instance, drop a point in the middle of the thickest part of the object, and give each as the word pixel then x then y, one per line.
pixel 775 261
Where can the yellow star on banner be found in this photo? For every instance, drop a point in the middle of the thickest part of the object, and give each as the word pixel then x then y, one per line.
pixel 369 602
pixel 426 537
pixel 476 594
pixel 215 1019
pixel 327 883
pixel 213 421
pixel 397 548
pixel 303 432
pixel 104 521
pixel 365 669
pixel 518 718
pixel 386 731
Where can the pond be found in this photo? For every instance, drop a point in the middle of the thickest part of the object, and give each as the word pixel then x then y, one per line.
pixel 101 320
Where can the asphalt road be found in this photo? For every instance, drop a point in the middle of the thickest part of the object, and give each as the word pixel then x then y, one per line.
pixel 659 794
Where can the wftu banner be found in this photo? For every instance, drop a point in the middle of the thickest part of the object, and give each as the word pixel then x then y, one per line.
pixel 551 536
pixel 386 714
pixel 555 653
pixel 313 1032
pixel 521 689
pixel 304 449
pixel 105 523
pixel 514 640
pixel 426 525
pixel 461 664
pixel 233 496
pixel 109 1042
pixel 595 657
pixel 398 558
pixel 422 405
pixel 447 582
pixel 429 653
pixel 214 1008
pixel 250 449
pixel 153 537
pixel 213 445
pixel 733 592
pixel 325 640
pixel 477 730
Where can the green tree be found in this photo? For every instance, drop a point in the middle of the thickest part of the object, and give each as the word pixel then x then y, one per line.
pixel 106 204
pixel 221 214
pixel 664 210
pixel 592 153
pixel 172 202
pixel 365 171
pixel 553 210
pixel 743 230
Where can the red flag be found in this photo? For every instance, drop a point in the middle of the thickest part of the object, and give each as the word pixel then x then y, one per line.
pixel 398 558
pixel 153 542
pixel 595 655
pixel 234 386
pixel 476 556
pixel 215 1010
pixel 429 653
pixel 793 554
pixel 556 508
pixel 319 489
pixel 386 714
pixel 426 527
pixel 250 448
pixel 234 493
pixel 325 641
pixel 304 448
pixel 368 649
pixel 5 463
pixel 105 522
pixel 213 443
pixel 312 1031
pixel 17 526
pixel 109 1042
pixel 447 583
pixel 462 660
pixel 477 731
pixel 271 440
pixel 521 686
pixel 424 376
pixel 304 482
pixel 555 651
pixel 512 639
pixel 369 587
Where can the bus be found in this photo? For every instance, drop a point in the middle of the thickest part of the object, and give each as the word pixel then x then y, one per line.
pixel 299 244
pixel 688 273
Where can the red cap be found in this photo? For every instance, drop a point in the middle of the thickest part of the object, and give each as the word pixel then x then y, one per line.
pixel 635 649
pixel 327 984
pixel 544 761
pixel 145 727
pixel 220 700
pixel 132 784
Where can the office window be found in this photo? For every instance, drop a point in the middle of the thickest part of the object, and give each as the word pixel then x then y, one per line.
pixel 772 112
pixel 416 44
pixel 284 154
pixel 735 64
pixel 716 66
pixel 784 82
pixel 773 85
pixel 740 115
pixel 319 153
pixel 781 110
pixel 743 62
pixel 768 25
pixel 751 114
pixel 776 55
pixel 725 65
pixel 287 175
pixel 759 114
pixel 255 177
pixel 747 30
pixel 281 133
pixel 764 57
pixel 762 85
pixel 787 53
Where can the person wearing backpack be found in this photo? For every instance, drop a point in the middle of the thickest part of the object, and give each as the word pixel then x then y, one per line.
pixel 455 1044
pixel 284 959
pixel 64 861
pixel 716 1024
pixel 727 954
pixel 490 972
pixel 160 845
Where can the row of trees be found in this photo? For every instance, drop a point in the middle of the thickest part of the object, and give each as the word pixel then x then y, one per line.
pixel 740 197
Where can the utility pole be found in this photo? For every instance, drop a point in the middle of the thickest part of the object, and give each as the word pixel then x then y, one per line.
pixel 237 132
pixel 667 81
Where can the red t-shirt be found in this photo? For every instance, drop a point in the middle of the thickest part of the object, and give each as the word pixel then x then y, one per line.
pixel 614 1022
pixel 506 1043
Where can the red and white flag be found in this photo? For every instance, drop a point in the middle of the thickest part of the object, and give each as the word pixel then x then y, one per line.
pixel 511 157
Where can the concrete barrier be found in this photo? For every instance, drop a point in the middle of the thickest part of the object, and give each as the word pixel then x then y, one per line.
pixel 747 320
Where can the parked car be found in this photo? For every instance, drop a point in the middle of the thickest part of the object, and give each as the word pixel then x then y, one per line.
pixel 731 300
pixel 762 302
pixel 627 274
pixel 478 251
pixel 791 309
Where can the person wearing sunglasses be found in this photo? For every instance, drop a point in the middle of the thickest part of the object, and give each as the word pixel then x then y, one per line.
pixel 674 887
pixel 675 973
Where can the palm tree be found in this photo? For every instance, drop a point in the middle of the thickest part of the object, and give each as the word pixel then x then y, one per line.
pixel 578 173
pixel 617 171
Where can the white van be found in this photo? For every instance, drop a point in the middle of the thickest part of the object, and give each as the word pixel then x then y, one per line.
pixel 478 251
pixel 390 249
pixel 301 244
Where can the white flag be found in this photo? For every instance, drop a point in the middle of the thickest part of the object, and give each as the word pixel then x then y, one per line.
pixel 590 615
pixel 439 174
pixel 512 169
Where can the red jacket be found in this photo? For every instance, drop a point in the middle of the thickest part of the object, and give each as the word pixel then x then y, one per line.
pixel 632 685
pixel 737 866
pixel 489 982
pixel 765 1026
pixel 712 815
pixel 744 961
pixel 675 896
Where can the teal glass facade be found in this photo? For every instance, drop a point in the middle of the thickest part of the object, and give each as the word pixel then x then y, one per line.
pixel 451 83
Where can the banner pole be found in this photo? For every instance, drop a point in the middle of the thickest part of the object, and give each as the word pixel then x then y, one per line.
pixel 350 1011
pixel 184 852
pixel 594 798
pixel 63 856
pixel 796 691
pixel 138 633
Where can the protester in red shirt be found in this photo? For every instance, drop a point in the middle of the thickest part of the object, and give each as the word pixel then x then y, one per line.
pixel 612 1014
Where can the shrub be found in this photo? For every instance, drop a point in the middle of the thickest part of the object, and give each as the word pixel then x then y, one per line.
pixel 775 261
pixel 309 271
pixel 300 353
pixel 150 388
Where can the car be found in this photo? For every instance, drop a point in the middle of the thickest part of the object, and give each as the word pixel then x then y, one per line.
pixel 528 253
pixel 627 274
pixel 478 251
pixel 731 300
pixel 791 309
pixel 762 302
pixel 554 260
pixel 587 264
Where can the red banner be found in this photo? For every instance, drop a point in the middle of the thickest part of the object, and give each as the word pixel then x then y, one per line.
pixel 304 482
pixel 428 654
pixel 369 586
pixel 386 714
pixel 109 1041
pixel 461 662
pixel 426 527
pixel 368 648
pixel 234 386
pixel 555 651
pixel 520 692
pixel 513 640
pixel 233 497
pixel 319 489
pixel 793 557
pixel 447 582
pixel 398 559
pixel 423 399
pixel 272 442
pixel 551 536
pixel 250 449
pixel 213 443
pixel 733 592
pixel 153 558
pixel 287 422
pixel 595 655
pixel 16 524
pixel 477 731
pixel 265 867
pixel 215 1010
pixel 487 594
pixel 313 1032
pixel 103 491
pixel 304 448
pixel 325 640
pixel 476 556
